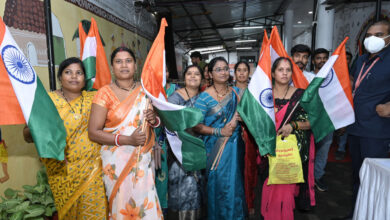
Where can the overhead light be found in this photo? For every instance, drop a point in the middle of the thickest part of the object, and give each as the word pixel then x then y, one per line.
pixel 247 27
pixel 244 48
pixel 310 12
pixel 245 41
pixel 213 51
pixel 207 49
pixel 299 22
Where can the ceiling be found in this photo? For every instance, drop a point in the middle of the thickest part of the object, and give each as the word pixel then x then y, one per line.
pixel 207 23
pixel 210 23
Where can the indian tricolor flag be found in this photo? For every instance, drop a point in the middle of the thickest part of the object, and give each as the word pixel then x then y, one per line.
pixel 277 50
pixel 23 99
pixel 189 150
pixel 94 58
pixel 328 99
pixel 256 107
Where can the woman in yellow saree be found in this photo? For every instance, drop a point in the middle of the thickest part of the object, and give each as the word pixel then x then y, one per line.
pixel 116 122
pixel 76 182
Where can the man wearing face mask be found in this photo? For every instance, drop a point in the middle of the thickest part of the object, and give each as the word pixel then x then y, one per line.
pixel 369 136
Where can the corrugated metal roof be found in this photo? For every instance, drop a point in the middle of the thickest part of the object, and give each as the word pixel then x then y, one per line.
pixel 209 23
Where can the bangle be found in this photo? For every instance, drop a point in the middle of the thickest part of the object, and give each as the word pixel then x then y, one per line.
pixel 219 132
pixel 117 140
pixel 292 125
pixel 156 123
pixel 296 125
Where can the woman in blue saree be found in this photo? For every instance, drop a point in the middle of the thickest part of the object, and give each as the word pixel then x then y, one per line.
pixel 224 145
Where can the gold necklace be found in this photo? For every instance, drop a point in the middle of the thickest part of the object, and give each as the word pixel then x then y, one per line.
pixel 75 115
pixel 221 95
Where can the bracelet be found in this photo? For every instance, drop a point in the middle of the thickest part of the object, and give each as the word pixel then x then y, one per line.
pixel 292 125
pixel 156 123
pixel 296 125
pixel 117 140
pixel 219 132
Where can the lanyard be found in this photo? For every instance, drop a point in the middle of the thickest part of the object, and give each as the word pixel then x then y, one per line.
pixel 361 77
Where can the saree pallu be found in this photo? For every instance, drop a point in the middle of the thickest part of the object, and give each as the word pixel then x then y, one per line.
pixel 186 188
pixel 129 182
pixel 76 182
pixel 225 185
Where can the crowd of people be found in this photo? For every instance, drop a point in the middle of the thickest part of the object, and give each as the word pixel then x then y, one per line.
pixel 118 163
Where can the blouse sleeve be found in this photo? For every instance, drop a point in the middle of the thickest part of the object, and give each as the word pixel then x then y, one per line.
pixel 102 97
pixel 175 99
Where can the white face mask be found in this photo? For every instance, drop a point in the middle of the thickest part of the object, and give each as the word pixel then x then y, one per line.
pixel 374 44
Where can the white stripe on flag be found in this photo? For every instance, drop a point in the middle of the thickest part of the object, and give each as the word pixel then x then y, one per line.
pixel 89 48
pixel 13 60
pixel 259 77
pixel 333 96
pixel 175 143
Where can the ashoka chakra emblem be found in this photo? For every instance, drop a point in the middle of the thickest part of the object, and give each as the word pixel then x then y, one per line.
pixel 327 79
pixel 266 98
pixel 17 65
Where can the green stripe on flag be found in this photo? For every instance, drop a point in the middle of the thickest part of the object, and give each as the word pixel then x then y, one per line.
pixel 46 126
pixel 90 71
pixel 192 148
pixel 320 123
pixel 260 125
pixel 193 151
pixel 188 118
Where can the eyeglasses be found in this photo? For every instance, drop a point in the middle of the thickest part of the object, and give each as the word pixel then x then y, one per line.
pixel 219 70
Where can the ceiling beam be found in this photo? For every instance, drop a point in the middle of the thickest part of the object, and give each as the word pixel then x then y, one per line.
pixel 191 18
pixel 212 23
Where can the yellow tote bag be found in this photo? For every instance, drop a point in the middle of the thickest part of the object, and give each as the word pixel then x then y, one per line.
pixel 286 166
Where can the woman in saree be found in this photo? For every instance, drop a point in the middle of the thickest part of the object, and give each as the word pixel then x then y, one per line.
pixel 224 145
pixel 123 121
pixel 206 78
pixel 76 182
pixel 278 200
pixel 185 187
pixel 241 73
pixel 160 154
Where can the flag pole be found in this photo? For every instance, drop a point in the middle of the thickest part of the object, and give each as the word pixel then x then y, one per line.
pixel 144 124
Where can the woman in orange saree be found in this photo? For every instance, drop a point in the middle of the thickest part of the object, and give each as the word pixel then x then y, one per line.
pixel 117 122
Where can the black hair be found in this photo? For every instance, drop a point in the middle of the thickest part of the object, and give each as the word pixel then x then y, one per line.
pixel 120 49
pixel 214 61
pixel 190 66
pixel 66 63
pixel 349 54
pixel 277 61
pixel 196 54
pixel 244 62
pixel 212 64
pixel 319 51
pixel 200 71
pixel 300 48
pixel 382 22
